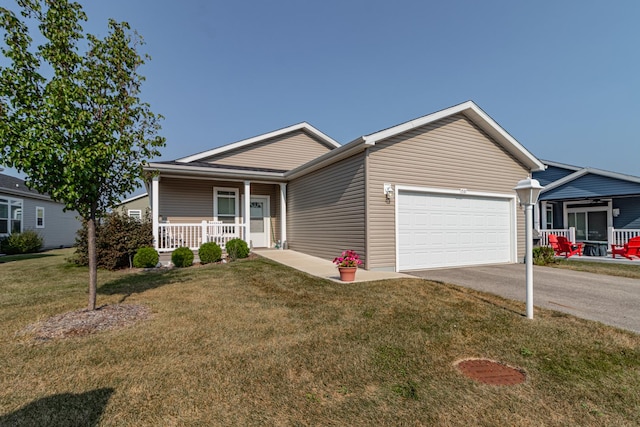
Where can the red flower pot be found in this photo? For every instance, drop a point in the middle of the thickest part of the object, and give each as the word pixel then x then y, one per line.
pixel 348 274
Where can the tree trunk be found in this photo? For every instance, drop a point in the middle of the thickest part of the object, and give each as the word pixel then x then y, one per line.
pixel 93 261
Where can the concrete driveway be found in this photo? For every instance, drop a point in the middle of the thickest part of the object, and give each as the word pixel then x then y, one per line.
pixel 607 299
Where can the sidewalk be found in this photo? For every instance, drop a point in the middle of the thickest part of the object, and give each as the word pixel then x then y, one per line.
pixel 321 267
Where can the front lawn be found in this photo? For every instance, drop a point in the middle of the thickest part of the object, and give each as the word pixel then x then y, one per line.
pixel 631 270
pixel 256 343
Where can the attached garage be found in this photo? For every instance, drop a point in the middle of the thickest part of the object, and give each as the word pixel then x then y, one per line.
pixel 444 229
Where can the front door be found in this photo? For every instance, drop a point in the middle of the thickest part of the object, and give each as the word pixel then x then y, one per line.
pixel 259 221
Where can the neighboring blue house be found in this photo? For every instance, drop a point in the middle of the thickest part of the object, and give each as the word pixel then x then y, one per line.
pixel 593 201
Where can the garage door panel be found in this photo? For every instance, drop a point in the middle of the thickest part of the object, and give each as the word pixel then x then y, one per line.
pixel 440 230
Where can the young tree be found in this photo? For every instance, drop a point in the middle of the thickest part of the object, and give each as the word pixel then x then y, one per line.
pixel 70 114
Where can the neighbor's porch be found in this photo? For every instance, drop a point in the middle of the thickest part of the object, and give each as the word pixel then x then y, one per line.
pixel 188 212
pixel 615 236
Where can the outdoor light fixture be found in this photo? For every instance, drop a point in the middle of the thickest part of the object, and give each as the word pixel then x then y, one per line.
pixel 528 191
pixel 388 191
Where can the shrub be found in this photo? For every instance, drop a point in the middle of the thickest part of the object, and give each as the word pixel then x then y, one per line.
pixel 21 243
pixel 543 255
pixel 209 252
pixel 237 248
pixel 182 257
pixel 146 257
pixel 118 237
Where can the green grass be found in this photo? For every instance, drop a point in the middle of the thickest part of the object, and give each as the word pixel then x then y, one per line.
pixel 256 343
pixel 622 270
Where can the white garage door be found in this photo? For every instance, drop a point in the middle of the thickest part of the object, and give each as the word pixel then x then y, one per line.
pixel 444 230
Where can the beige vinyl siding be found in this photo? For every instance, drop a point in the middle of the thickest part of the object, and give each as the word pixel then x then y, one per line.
pixel 188 200
pixel 326 210
pixel 191 200
pixel 142 204
pixel 452 153
pixel 284 152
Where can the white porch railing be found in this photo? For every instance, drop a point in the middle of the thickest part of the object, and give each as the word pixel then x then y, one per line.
pixel 615 236
pixel 569 233
pixel 174 235
pixel 621 236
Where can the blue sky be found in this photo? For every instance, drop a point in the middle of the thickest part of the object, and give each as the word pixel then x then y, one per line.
pixel 563 78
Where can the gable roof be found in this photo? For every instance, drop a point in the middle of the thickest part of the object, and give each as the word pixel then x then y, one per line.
pixel 133 198
pixel 469 109
pixel 194 165
pixel 477 116
pixel 304 126
pixel 18 187
pixel 580 172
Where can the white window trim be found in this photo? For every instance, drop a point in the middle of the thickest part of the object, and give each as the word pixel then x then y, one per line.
pixel 40 208
pixel 586 209
pixel 10 201
pixel 215 202
pixel 548 207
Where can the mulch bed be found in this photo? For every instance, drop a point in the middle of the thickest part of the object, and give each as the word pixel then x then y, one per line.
pixel 85 322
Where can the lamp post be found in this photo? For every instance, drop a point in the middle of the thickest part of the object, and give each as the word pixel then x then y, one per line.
pixel 528 191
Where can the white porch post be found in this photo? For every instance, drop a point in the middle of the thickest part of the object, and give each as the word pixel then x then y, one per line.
pixel 283 214
pixel 247 212
pixel 537 213
pixel 155 207
pixel 543 215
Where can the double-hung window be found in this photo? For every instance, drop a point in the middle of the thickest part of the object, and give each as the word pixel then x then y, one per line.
pixel 10 215
pixel 225 205
pixel 39 217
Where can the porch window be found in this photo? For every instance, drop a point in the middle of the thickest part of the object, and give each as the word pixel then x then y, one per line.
pixel 225 205
pixel 10 216
pixel 39 217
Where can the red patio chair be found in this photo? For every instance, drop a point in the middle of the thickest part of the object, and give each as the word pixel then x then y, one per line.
pixel 629 250
pixel 567 248
pixel 553 242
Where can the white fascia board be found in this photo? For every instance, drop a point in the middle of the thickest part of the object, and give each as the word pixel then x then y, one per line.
pixel 563 181
pixel 218 172
pixel 131 199
pixel 614 175
pixel 300 126
pixel 584 171
pixel 395 130
pixel 561 165
pixel 478 116
pixel 26 194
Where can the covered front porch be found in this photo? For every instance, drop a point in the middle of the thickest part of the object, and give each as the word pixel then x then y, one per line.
pixel 190 211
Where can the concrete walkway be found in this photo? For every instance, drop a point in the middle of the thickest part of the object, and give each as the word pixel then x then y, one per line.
pixel 321 267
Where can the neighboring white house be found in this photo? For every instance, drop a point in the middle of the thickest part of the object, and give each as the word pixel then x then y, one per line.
pixel 22 209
